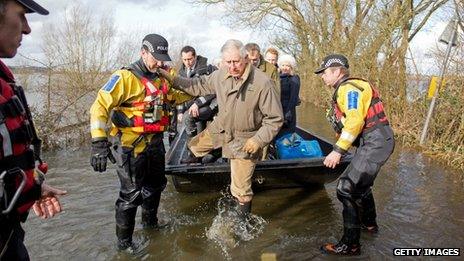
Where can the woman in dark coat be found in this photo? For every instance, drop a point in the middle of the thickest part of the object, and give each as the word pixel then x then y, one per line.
pixel 290 89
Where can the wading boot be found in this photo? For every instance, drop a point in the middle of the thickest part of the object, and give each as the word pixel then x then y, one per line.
pixel 368 214
pixel 149 219
pixel 150 211
pixel 244 209
pixel 125 243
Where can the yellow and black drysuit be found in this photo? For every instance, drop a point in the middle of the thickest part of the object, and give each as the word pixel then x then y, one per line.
pixel 358 117
pixel 139 104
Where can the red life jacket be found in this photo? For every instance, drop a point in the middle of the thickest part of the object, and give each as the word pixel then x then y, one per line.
pixel 16 137
pixel 155 108
pixel 375 114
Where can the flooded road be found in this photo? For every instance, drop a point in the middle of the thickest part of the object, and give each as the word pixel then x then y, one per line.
pixel 419 204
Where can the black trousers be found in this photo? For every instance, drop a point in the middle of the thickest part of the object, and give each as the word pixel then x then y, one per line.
pixel 142 181
pixel 354 186
pixel 12 241
pixel 196 125
pixel 172 131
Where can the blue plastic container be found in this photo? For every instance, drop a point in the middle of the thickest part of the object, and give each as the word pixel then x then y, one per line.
pixel 292 146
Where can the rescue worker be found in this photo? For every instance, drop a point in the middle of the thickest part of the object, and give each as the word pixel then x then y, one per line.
pixel 138 100
pixel 358 117
pixel 203 108
pixel 22 185
pixel 249 117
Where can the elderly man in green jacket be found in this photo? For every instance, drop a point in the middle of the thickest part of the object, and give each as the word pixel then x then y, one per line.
pixel 250 116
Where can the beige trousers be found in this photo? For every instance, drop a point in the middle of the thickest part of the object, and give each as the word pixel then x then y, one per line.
pixel 241 170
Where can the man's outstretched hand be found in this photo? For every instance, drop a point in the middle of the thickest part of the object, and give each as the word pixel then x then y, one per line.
pixel 48 205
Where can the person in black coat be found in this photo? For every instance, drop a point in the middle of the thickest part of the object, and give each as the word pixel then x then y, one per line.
pixel 290 89
pixel 196 112
pixel 203 108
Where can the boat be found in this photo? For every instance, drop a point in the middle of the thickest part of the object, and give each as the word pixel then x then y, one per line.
pixel 269 174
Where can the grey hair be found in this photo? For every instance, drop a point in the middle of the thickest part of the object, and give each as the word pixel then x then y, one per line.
pixel 287 59
pixel 233 44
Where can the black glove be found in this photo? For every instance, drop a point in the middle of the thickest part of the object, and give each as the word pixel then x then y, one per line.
pixel 100 153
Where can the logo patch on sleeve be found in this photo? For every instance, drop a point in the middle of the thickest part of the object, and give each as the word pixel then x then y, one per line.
pixel 353 100
pixel 109 86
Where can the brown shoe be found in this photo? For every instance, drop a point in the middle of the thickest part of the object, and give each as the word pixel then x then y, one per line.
pixel 341 249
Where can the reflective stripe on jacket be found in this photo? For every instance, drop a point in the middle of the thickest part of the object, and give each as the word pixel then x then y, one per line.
pixel 126 93
pixel 150 115
pixel 357 107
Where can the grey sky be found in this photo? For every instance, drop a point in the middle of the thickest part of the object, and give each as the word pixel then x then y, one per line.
pixel 200 26
pixel 183 23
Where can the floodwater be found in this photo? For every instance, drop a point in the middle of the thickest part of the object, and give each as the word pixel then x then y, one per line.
pixel 419 204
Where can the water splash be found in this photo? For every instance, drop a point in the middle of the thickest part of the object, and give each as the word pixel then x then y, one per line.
pixel 229 228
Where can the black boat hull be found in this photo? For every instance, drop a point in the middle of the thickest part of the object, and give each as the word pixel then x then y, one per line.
pixel 269 174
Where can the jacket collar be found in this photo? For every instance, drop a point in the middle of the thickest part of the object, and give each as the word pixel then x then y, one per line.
pixel 140 68
pixel 342 80
pixel 337 85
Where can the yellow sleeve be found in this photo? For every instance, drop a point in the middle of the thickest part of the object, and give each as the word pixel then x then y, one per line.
pixel 179 96
pixel 112 94
pixel 352 102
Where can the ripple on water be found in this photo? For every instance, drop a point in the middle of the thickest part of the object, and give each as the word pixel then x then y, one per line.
pixel 419 203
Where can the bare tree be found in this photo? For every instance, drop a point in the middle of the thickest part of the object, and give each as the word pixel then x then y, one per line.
pixel 375 35
pixel 363 30
pixel 447 127
pixel 80 52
